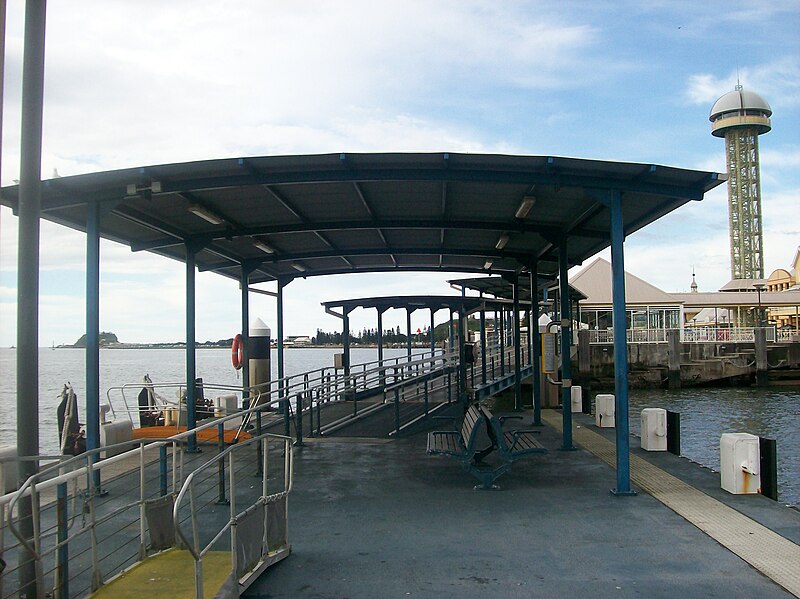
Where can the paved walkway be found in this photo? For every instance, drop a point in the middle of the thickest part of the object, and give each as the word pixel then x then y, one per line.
pixel 775 556
pixel 376 519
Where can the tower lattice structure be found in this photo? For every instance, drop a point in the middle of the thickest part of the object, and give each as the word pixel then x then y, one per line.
pixel 740 117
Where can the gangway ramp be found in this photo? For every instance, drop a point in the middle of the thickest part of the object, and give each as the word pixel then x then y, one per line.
pixel 169 574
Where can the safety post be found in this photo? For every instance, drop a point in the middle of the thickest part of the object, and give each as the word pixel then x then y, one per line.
pixel 221 499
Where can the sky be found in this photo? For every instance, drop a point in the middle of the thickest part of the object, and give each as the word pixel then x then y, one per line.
pixel 150 82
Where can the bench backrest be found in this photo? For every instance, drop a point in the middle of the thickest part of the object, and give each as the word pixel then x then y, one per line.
pixel 470 426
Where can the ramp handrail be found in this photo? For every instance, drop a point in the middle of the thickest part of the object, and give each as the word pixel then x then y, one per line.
pixel 193 544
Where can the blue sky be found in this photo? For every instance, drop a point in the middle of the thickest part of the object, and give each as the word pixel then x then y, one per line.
pixel 149 82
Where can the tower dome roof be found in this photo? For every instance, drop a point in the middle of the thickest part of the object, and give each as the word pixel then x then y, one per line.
pixel 740 100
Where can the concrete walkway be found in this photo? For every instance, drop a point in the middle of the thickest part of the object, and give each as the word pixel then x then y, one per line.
pixel 376 519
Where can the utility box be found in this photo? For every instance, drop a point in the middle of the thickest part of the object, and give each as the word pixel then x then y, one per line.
pixel 604 410
pixel 9 469
pixel 654 429
pixel 739 461
pixel 576 399
pixel 338 361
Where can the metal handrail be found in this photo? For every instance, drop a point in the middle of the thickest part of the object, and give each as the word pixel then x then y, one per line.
pixel 193 545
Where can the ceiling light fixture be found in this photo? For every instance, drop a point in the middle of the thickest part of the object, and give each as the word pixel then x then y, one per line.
pixel 206 214
pixel 299 267
pixel 487 265
pixel 260 245
pixel 525 206
pixel 501 241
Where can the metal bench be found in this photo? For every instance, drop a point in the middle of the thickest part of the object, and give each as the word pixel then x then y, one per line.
pixel 512 444
pixel 462 445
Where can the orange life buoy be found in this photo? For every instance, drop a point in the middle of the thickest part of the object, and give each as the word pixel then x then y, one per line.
pixel 237 352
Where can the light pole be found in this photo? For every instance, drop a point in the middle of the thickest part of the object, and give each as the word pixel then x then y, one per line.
pixel 759 287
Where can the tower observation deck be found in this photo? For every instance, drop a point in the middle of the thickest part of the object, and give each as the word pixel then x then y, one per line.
pixel 740 117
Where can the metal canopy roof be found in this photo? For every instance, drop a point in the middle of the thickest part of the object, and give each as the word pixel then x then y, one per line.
pixel 283 217
pixel 455 303
pixel 502 288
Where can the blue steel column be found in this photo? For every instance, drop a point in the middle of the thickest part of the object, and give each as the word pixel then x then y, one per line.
pixel 284 404
pixel 500 328
pixel 380 336
pixel 408 332
pixel 244 281
pixel 29 208
pixel 346 342
pixel 484 359
pixel 566 342
pixel 536 353
pixel 191 364
pixel 433 333
pixel 93 330
pixel 517 341
pixel 620 347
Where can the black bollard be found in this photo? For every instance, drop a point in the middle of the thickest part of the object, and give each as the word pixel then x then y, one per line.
pixel 674 432
pixel 768 448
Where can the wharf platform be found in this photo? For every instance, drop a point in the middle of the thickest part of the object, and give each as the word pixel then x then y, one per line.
pixel 372 518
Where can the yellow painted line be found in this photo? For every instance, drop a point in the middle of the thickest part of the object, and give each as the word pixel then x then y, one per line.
pixel 169 574
pixel 773 555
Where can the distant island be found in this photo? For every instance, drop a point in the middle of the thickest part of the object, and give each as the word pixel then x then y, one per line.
pixel 110 340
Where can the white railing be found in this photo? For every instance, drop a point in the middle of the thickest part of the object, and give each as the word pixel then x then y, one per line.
pixel 722 335
pixel 694 335
pixel 634 336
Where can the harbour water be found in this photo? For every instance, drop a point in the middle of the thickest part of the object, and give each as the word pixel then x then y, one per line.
pixel 705 413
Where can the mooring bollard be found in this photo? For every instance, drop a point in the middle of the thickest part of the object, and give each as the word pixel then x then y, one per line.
pixel 768 449
pixel 674 432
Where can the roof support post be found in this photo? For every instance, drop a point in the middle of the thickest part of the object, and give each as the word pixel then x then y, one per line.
pixel 346 341
pixel 462 363
pixel 380 344
pixel 30 198
pixel 500 327
pixel 433 333
pixel 191 350
pixel 533 328
pixel 408 332
pixel 380 335
pixel 483 342
pixel 244 282
pixel 620 346
pixel 93 330
pixel 566 342
pixel 284 404
pixel 517 343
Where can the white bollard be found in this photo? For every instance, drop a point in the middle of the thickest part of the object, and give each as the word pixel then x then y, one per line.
pixel 604 410
pixel 115 432
pixel 740 463
pixel 654 429
pixel 576 399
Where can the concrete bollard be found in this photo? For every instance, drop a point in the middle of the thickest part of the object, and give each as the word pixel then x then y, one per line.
pixel 654 429
pixel 8 469
pixel 740 461
pixel 604 411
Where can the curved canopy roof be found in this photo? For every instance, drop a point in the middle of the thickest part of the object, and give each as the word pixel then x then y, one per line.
pixel 282 217
pixel 739 100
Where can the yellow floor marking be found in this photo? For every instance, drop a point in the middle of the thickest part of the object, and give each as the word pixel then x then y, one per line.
pixel 169 574
pixel 773 555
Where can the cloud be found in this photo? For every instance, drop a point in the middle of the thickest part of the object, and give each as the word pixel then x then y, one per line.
pixel 778 82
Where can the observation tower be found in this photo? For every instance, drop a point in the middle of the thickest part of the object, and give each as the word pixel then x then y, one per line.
pixel 740 117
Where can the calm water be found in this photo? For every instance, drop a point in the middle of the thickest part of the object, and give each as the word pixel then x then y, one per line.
pixel 705 413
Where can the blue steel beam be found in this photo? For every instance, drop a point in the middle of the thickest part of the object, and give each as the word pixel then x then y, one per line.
pixel 566 343
pixel 620 346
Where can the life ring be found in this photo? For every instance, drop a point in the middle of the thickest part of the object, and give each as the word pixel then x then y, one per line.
pixel 237 352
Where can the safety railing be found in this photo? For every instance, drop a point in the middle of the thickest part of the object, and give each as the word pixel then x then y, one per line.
pixel 309 404
pixel 82 533
pixel 82 520
pixel 688 335
pixel 258 524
